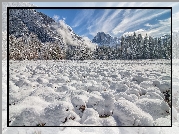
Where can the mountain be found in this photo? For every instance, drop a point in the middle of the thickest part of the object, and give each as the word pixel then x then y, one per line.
pixel 26 21
pixel 36 35
pixel 105 39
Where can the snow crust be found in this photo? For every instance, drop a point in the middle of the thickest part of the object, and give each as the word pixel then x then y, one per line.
pixel 88 93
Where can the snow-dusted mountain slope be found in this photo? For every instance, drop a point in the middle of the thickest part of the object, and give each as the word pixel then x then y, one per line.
pixel 25 21
pixel 34 31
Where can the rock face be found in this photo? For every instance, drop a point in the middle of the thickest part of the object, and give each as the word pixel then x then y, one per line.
pixel 105 39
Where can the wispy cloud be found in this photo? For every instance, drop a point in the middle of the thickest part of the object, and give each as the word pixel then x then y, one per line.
pixel 84 15
pixel 97 23
pixel 164 27
pixel 132 20
pixel 119 21
pixel 104 22
pixel 110 23
pixel 156 30
pixel 129 20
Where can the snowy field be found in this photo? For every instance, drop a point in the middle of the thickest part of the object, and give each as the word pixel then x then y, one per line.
pixel 90 93
pixel 39 106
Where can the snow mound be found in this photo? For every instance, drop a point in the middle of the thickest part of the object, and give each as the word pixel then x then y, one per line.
pixel 121 87
pixel 139 78
pixel 63 79
pixel 96 87
pixel 65 88
pixel 165 78
pixel 125 74
pixel 155 107
pixel 146 84
pixel 59 113
pixel 106 105
pixel 133 91
pixel 94 100
pixel 90 116
pixel 28 117
pixel 163 121
pixel 156 90
pixel 165 86
pixel 42 80
pixel 128 114
pixel 151 95
pixel 109 121
pixel 131 97
pixel 21 83
pixel 79 103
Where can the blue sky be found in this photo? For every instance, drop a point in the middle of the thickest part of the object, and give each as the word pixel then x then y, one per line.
pixel 116 22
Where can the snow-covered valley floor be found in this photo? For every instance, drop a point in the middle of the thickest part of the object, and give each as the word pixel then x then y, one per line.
pixel 90 93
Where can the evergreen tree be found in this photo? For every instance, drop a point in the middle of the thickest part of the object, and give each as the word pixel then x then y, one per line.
pixel 145 53
pixel 151 47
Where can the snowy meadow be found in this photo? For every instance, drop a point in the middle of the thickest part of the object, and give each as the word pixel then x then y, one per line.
pixel 90 93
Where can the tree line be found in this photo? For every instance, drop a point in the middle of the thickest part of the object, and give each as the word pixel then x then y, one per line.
pixel 131 47
pixel 137 47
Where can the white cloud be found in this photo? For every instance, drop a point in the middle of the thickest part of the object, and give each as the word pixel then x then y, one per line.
pixel 148 25
pixel 56 17
pixel 139 31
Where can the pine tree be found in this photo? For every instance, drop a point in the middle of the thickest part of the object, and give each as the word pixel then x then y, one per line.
pixel 145 51
pixel 139 46
pixel 151 47
pixel 159 48
pixel 134 46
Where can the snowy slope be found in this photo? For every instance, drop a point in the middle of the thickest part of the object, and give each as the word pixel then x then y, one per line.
pixel 27 25
pixel 25 21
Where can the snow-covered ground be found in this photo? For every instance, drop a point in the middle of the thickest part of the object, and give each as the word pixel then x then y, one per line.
pixel 90 93
pixel 94 130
